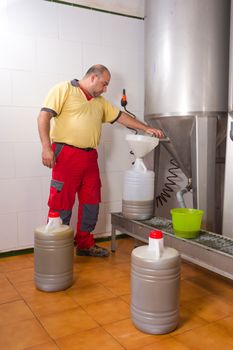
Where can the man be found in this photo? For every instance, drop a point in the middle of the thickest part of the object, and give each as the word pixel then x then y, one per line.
pixel 76 111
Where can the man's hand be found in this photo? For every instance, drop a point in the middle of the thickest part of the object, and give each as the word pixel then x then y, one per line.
pixel 156 132
pixel 130 122
pixel 48 158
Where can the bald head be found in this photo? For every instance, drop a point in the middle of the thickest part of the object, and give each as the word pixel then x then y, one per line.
pixel 96 80
pixel 97 69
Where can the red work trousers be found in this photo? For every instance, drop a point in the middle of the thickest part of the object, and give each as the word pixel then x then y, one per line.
pixel 76 172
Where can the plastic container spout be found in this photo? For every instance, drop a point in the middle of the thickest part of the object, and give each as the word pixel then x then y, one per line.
pixel 54 221
pixel 139 165
pixel 156 243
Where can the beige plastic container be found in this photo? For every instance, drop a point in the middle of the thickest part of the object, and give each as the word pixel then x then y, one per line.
pixel 53 256
pixel 155 281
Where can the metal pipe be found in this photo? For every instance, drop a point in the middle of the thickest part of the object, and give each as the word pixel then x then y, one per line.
pixel 180 197
pixel 180 194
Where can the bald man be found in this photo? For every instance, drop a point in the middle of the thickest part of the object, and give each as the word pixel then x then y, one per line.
pixel 70 124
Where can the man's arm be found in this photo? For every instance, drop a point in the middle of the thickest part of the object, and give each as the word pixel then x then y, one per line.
pixel 132 123
pixel 48 158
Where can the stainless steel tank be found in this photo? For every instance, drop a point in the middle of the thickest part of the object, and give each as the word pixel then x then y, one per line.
pixel 228 190
pixel 186 86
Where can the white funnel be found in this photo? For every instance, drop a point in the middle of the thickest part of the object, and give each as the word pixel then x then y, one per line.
pixel 141 145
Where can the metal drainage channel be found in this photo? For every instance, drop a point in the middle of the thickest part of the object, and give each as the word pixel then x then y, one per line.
pixel 209 250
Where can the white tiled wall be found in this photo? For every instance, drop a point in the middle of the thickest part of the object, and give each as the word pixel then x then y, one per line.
pixel 43 43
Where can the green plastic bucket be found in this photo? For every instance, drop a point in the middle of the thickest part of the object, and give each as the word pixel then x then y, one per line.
pixel 186 222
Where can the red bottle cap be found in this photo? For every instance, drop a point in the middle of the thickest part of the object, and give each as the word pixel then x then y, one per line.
pixel 157 234
pixel 54 214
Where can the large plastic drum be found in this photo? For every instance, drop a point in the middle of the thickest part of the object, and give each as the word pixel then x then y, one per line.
pixel 155 290
pixel 53 258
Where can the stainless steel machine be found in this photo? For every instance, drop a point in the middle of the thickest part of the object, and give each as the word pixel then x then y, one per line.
pixel 186 95
pixel 186 83
pixel 228 190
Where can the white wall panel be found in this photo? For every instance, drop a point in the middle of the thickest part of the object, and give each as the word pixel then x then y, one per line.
pixel 121 34
pixel 29 88
pixel 27 222
pixel 80 25
pixel 7 158
pixel 17 51
pixel 101 157
pixel 20 195
pixel 32 18
pixel 113 133
pixel 18 124
pixel 117 157
pixel 55 55
pixel 106 55
pixel 112 185
pixel 111 207
pixel 27 160
pixel 45 184
pixel 43 43
pixel 27 194
pixel 5 86
pixel 9 232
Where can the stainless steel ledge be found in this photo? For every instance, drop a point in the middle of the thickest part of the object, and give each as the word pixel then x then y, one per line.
pixel 211 251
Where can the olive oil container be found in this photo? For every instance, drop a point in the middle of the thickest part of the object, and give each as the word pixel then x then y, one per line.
pixel 53 255
pixel 155 283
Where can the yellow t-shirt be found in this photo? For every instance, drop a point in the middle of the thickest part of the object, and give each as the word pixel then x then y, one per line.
pixel 77 121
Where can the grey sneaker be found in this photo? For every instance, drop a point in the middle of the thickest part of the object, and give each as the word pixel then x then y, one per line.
pixel 95 250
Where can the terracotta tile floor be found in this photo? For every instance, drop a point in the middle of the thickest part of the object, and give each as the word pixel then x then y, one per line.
pixel 95 312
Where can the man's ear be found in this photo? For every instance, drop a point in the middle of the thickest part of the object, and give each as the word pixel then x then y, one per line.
pixel 93 76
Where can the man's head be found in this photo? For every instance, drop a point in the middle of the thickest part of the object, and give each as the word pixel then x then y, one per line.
pixel 96 80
